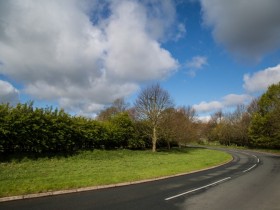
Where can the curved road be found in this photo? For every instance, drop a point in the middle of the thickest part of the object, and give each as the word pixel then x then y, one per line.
pixel 250 181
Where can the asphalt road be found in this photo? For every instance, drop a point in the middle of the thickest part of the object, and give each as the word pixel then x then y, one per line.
pixel 250 181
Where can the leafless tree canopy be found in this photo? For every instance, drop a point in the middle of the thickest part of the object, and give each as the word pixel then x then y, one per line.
pixel 151 102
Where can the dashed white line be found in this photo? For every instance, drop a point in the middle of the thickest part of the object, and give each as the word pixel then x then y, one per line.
pixel 256 158
pixel 250 168
pixel 258 161
pixel 200 188
pixel 214 183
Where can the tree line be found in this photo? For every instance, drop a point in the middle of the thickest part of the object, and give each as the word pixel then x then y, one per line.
pixel 256 125
pixel 153 121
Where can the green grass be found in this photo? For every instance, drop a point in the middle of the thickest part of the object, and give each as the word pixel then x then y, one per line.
pixel 100 168
pixel 218 145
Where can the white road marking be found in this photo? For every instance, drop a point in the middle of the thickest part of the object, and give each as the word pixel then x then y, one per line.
pixel 214 183
pixel 258 161
pixel 256 158
pixel 250 168
pixel 184 193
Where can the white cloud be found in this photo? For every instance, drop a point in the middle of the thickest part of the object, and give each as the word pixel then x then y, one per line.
pixel 260 81
pixel 161 16
pixel 57 53
pixel 234 99
pixel 229 100
pixel 133 54
pixel 196 63
pixel 8 93
pixel 249 28
pixel 204 118
pixel 208 106
pixel 181 31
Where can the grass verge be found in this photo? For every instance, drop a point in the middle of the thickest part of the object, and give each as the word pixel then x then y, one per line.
pixel 100 168
pixel 218 145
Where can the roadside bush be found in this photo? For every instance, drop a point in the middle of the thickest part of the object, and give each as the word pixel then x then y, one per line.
pixel 136 144
pixel 25 129
pixel 264 130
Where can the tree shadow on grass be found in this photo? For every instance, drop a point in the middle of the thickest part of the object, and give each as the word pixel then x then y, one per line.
pixel 178 150
pixel 23 156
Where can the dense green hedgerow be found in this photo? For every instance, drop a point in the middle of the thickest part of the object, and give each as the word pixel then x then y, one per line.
pixel 26 129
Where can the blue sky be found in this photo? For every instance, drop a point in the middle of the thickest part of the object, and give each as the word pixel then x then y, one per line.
pixel 82 55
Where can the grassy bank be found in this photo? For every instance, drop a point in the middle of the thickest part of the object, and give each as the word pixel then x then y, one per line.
pixel 218 145
pixel 100 168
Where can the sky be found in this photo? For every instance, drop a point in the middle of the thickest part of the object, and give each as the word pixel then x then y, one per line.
pixel 81 55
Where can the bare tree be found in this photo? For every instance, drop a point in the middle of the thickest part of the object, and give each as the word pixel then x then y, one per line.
pixel 179 125
pixel 217 117
pixel 189 133
pixel 253 107
pixel 149 105
pixel 188 112
pixel 118 106
pixel 168 126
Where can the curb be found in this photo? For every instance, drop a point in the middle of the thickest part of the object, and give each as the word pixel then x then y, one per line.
pixel 84 189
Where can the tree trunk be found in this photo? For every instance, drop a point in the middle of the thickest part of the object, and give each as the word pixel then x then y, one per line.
pixel 168 145
pixel 154 139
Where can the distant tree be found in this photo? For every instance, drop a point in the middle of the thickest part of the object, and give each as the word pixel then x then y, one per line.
pixel 150 105
pixel 241 124
pixel 214 126
pixel 234 127
pixel 169 126
pixel 217 117
pixel 253 107
pixel 118 106
pixel 187 131
pixel 188 112
pixel 265 126
pixel 203 130
pixel 231 128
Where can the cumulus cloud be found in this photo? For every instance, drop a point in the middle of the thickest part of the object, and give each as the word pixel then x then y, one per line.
pixel 8 93
pixel 249 28
pixel 161 16
pixel 133 54
pixel 80 54
pixel 196 63
pixel 229 100
pixel 260 80
pixel 208 106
